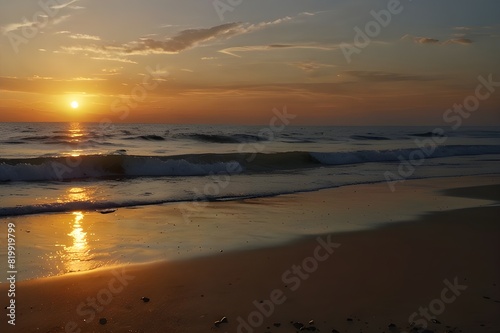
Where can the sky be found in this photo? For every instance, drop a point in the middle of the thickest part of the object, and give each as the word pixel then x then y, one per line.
pixel 329 62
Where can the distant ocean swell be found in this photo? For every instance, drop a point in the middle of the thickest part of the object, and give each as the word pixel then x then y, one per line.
pixel 119 165
pixel 99 138
pixel 96 137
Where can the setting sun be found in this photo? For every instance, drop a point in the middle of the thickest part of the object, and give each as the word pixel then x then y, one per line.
pixel 74 104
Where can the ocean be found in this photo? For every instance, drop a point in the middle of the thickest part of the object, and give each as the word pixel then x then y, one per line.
pixel 55 179
pixel 41 164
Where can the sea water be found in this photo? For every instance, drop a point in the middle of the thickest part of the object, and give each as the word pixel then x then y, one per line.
pixel 54 176
pixel 139 164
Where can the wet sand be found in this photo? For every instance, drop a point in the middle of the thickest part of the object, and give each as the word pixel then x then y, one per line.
pixel 441 266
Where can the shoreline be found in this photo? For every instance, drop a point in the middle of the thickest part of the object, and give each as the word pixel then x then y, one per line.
pixel 114 206
pixel 376 277
pixel 61 243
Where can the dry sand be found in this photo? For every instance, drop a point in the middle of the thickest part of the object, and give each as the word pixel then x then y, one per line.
pixel 445 262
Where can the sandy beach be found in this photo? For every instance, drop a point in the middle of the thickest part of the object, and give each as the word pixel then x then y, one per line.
pixel 440 271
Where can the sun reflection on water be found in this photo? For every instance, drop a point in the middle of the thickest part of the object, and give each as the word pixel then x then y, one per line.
pixel 77 257
pixel 75 132
pixel 77 194
pixel 79 237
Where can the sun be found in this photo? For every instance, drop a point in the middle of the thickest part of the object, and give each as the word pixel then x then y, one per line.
pixel 74 105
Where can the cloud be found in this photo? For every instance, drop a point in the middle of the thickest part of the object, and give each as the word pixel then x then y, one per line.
pixel 234 50
pixel 60 19
pixel 183 40
pixel 49 85
pixel 477 32
pixel 14 26
pixel 77 36
pixel 461 41
pixel 280 46
pixel 463 28
pixel 80 78
pixel 380 76
pixel 309 66
pixel 84 36
pixel 461 35
pixel 61 6
pixel 420 40
pixel 118 59
pixel 99 53
pixel 477 28
pixel 54 20
pixel 37 77
pixel 36 24
pixel 111 71
pixel 262 25
pixel 425 40
pixel 346 90
pixel 433 41
pixel 190 38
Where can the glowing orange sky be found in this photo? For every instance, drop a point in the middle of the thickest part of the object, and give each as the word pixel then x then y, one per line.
pixel 190 62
